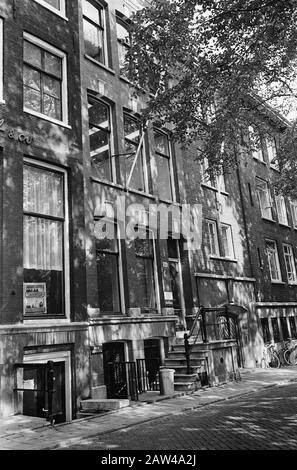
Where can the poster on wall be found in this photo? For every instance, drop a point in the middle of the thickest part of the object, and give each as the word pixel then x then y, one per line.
pixel 34 297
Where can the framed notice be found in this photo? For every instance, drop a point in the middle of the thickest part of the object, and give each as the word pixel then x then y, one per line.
pixel 34 298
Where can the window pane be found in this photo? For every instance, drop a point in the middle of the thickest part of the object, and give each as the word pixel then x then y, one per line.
pixel 123 33
pixel 53 64
pixel 161 143
pixel 52 107
pixel 284 325
pixel 143 294
pixel 93 36
pixel 32 99
pixel 52 87
pixel 293 327
pixel 131 129
pixel 89 10
pixel 273 262
pixel 98 113
pixel 137 178
pixel 275 328
pixel 32 54
pixel 100 139
pixel 265 330
pixel 163 177
pixel 32 78
pixel 54 3
pixel 43 192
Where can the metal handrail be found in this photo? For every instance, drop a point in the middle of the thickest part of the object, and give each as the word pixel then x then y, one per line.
pixel 200 315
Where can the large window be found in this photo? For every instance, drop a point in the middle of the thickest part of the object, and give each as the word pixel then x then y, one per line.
pixel 290 264
pixel 107 258
pixel 94 30
pixel 275 329
pixel 271 151
pixel 281 210
pixel 293 328
pixel 124 44
pixel 265 330
pixel 132 168
pixel 57 6
pixel 227 241
pixel 100 141
pixel 45 241
pixel 211 239
pixel 293 205
pixel 44 78
pixel 264 198
pixel 1 59
pixel 163 168
pixel 273 260
pixel 285 329
pixel 214 181
pixel 256 144
pixel 144 292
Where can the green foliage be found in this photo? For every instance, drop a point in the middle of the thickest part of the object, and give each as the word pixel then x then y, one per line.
pixel 213 67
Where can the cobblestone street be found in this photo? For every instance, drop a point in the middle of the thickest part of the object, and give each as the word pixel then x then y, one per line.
pixel 263 420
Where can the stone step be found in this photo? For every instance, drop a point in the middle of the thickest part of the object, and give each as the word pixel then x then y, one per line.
pixel 182 356
pixel 194 347
pixel 171 362
pixel 184 386
pixel 184 369
pixel 103 404
pixel 185 378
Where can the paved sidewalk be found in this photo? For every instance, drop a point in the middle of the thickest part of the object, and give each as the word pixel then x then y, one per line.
pixel 25 433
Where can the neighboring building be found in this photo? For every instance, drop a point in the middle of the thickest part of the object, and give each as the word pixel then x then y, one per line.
pixel 76 163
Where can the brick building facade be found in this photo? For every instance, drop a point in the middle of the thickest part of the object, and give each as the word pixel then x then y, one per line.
pixel 69 132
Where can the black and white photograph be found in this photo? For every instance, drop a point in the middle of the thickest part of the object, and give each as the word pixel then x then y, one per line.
pixel 148 231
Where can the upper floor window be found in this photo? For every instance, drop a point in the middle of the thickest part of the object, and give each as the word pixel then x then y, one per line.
pixel 145 273
pixel 163 165
pixel 212 243
pixel 256 144
pixel 281 210
pixel 290 263
pixel 227 241
pixel 100 138
pixel 1 59
pixel 215 181
pixel 94 19
pixel 57 6
pixel 271 151
pixel 273 260
pixel 264 198
pixel 124 44
pixel 293 205
pixel 44 79
pixel 133 162
pixel 46 271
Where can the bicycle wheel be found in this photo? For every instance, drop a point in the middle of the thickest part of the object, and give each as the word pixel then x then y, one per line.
pixel 274 361
pixel 287 354
pixel 293 357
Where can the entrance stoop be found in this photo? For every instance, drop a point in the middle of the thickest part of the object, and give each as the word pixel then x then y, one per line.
pixel 94 405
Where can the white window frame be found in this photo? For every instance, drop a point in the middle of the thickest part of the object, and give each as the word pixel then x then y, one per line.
pixel 290 256
pixel 99 5
pixel 1 60
pixel 47 47
pixel 49 167
pixel 275 251
pixel 271 151
pixel 268 199
pixel 61 12
pixel 217 183
pixel 281 210
pixel 293 205
pixel 257 153
pixel 229 238
pixel 216 238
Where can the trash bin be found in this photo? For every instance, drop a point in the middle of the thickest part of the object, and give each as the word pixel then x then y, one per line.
pixel 166 381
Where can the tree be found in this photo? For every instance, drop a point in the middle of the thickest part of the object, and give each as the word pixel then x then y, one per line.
pixel 214 66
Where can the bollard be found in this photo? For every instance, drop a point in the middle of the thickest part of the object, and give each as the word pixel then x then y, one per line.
pixel 166 381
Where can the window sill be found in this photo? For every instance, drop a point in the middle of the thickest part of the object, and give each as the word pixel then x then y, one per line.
pixel 269 220
pixel 46 118
pixel 223 258
pixel 260 161
pixel 284 225
pixel 277 282
pixel 41 321
pixel 53 10
pixel 213 188
pixel 103 66
pixel 2 101
pixel 292 283
pixel 272 167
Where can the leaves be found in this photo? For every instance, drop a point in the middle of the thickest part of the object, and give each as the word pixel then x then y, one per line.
pixel 215 66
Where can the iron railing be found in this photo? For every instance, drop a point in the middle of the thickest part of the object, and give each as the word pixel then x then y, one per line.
pixel 148 374
pixel 122 380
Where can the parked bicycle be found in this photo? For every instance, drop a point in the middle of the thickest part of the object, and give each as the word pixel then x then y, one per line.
pixel 270 357
pixel 290 354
